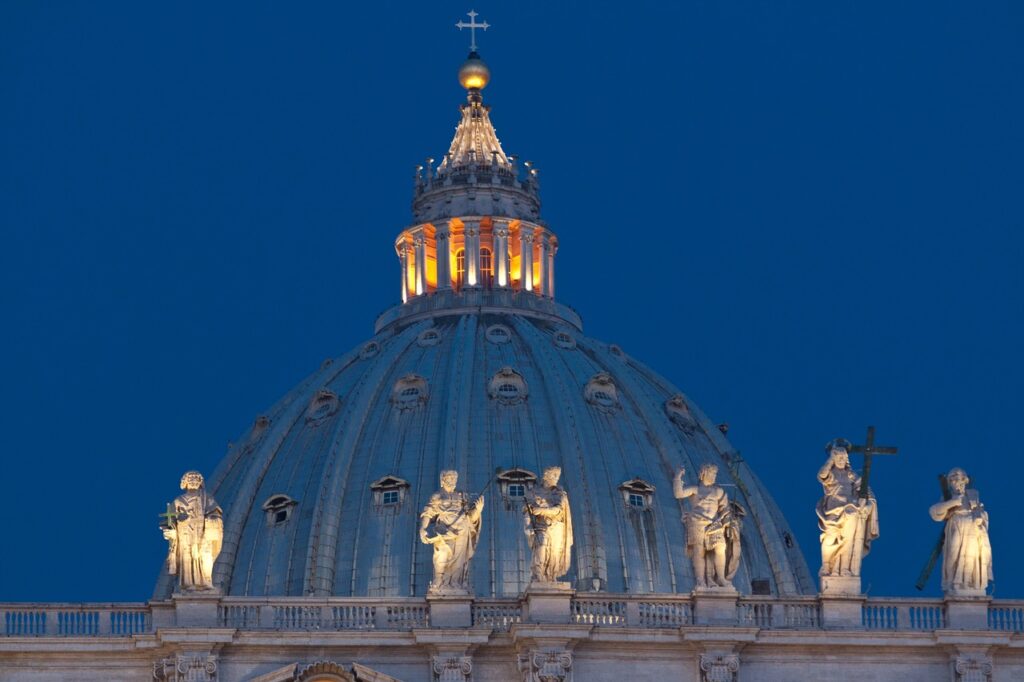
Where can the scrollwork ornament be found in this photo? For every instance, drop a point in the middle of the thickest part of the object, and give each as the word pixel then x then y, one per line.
pixel 452 668
pixel 719 667
pixel 971 668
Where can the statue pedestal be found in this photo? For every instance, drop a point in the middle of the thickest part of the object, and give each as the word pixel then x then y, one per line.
pixel 967 610
pixel 549 603
pixel 715 605
pixel 450 610
pixel 842 603
pixel 196 609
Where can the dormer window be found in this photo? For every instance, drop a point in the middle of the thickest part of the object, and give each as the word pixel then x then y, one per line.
pixel 369 350
pixel 514 484
pixel 498 333
pixel 324 404
pixel 389 492
pixel 565 340
pixel 508 387
pixel 410 391
pixel 637 494
pixel 429 337
pixel 279 509
pixel 601 392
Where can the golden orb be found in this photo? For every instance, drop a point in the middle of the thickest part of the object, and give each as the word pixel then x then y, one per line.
pixel 474 74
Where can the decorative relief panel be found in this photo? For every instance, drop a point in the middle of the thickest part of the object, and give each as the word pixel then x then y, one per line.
pixel 410 391
pixel 546 666
pixel 719 667
pixel 508 387
pixel 187 667
pixel 452 668
pixel 972 668
pixel 600 391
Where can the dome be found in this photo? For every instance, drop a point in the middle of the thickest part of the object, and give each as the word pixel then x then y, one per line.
pixel 479 370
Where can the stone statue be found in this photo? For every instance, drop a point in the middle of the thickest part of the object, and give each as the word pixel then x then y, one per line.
pixel 848 522
pixel 194 527
pixel 713 526
pixel 966 553
pixel 451 523
pixel 549 529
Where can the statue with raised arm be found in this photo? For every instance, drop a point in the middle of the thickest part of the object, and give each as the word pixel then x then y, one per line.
pixel 967 553
pixel 713 526
pixel 848 522
pixel 549 529
pixel 194 527
pixel 451 524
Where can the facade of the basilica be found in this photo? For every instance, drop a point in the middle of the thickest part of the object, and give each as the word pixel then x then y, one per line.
pixel 482 492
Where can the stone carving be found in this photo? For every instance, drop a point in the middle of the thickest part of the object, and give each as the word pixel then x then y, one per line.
pixel 549 528
pixel 451 523
pixel 194 527
pixel 546 666
pixel 848 522
pixel 718 667
pixel 970 668
pixel 324 670
pixel 187 667
pixel 713 526
pixel 966 552
pixel 452 668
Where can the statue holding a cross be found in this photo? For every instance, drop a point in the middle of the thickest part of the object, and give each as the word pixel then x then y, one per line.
pixel 967 553
pixel 847 513
pixel 194 528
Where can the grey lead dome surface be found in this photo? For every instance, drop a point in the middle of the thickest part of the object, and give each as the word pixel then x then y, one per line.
pixel 481 371
pixel 340 539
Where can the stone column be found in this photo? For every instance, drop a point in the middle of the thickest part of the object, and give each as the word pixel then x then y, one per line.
pixel 526 258
pixel 420 244
pixel 501 252
pixel 545 246
pixel 443 255
pixel 472 240
pixel 551 268
pixel 403 258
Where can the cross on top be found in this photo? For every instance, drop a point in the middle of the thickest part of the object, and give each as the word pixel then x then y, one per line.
pixel 869 450
pixel 472 26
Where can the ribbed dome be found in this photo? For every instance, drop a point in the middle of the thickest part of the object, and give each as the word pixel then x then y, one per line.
pixel 509 391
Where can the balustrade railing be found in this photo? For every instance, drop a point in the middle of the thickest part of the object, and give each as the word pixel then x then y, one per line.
pixel 403 614
pixel 75 620
pixel 903 614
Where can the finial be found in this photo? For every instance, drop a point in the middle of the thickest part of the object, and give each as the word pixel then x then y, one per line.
pixel 472 26
pixel 474 74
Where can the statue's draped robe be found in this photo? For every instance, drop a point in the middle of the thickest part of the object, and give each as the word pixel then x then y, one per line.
pixel 967 552
pixel 549 534
pixel 197 538
pixel 840 522
pixel 453 514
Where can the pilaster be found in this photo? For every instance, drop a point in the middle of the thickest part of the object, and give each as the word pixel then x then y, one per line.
pixel 420 244
pixel 842 604
pixel 442 238
pixel 187 666
pixel 472 239
pixel 972 667
pixel 501 233
pixel 450 611
pixel 715 606
pixel 403 257
pixel 544 244
pixel 196 609
pixel 526 257
pixel 548 603
pixel 719 666
pixel 965 612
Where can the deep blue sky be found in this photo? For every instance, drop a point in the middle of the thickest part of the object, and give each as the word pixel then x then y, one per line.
pixel 807 215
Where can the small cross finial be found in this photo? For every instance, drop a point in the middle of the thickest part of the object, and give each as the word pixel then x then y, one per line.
pixel 472 26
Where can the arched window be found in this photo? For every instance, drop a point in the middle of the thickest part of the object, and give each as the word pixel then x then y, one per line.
pixel 460 268
pixel 486 268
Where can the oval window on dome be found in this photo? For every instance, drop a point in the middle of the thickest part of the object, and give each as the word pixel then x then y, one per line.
pixel 410 391
pixel 369 350
pixel 323 405
pixel 428 337
pixel 565 340
pixel 601 392
pixel 508 386
pixel 498 333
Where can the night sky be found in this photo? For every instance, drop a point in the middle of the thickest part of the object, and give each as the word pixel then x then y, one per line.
pixel 807 215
